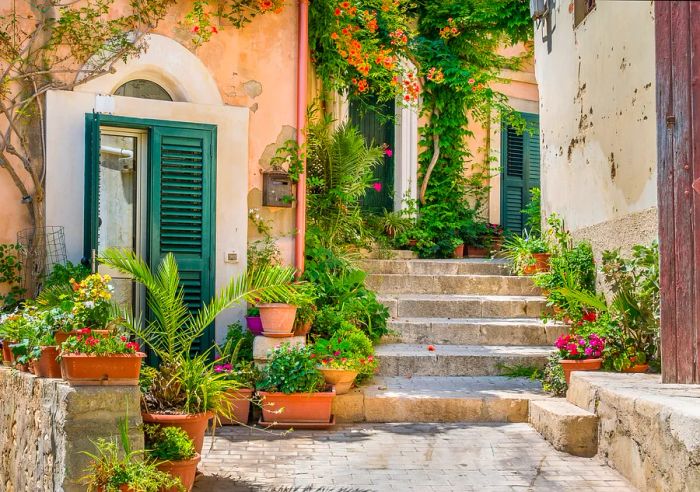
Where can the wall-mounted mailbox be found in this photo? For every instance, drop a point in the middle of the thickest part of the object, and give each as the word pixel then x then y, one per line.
pixel 277 189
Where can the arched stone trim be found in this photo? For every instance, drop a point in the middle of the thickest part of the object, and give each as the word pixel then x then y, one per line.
pixel 170 65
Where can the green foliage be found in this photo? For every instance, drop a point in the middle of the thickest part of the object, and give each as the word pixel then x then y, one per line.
pixel 115 464
pixel 342 296
pixel 340 170
pixel 238 345
pixel 11 275
pixel 341 352
pixel 168 443
pixel 85 343
pixel 634 308
pixel 262 252
pixel 533 212
pixel 520 371
pixel 291 369
pixel 553 380
pixel 61 275
pixel 573 268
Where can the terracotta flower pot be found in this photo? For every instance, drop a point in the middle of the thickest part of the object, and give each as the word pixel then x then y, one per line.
pixel 302 329
pixel 458 251
pixel 541 262
pixel 637 369
pixel 412 243
pixel 46 366
pixel 474 252
pixel 277 317
pixel 297 407
pixel 102 370
pixel 194 424
pixel 240 407
pixel 7 356
pixel 62 336
pixel 254 325
pixel 185 470
pixel 570 366
pixel 341 379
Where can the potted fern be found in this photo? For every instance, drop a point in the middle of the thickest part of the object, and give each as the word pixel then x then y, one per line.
pixel 184 390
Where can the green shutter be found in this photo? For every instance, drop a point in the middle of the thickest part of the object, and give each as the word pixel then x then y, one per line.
pixel 181 210
pixel 92 184
pixel 520 171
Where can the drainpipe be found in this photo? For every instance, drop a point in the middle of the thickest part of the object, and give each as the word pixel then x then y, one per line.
pixel 302 89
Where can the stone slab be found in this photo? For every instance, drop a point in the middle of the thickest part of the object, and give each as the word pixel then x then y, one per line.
pixel 463 306
pixel 475 331
pixel 437 267
pixel 456 360
pixel 451 284
pixel 649 431
pixel 262 345
pixel 567 427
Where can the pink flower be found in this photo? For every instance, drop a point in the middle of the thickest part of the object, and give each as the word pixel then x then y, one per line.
pixel 336 353
pixel 388 152
pixel 377 187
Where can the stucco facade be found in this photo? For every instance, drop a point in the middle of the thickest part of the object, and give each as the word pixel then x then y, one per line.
pixel 598 121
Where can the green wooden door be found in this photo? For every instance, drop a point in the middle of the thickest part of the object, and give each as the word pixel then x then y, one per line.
pixel 520 156
pixel 180 205
pixel 378 130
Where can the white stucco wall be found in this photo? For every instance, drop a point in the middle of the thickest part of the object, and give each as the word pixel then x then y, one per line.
pixel 65 170
pixel 598 113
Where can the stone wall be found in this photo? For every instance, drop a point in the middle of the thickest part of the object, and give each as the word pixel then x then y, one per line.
pixel 45 425
pixel 648 431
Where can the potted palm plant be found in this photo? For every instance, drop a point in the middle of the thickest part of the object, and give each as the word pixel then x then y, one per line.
pixel 292 389
pixel 184 390
pixel 174 452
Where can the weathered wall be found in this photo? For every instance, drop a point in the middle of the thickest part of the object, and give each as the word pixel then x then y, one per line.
pixel 648 431
pixel 598 120
pixel 45 425
pixel 253 67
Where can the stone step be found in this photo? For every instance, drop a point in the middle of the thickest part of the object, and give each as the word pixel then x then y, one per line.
pixel 462 306
pixel 439 399
pixel 391 254
pixel 403 359
pixel 399 283
pixel 475 331
pixel 437 267
pixel 567 427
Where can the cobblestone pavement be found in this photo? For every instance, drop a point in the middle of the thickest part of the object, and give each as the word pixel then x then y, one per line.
pixel 401 457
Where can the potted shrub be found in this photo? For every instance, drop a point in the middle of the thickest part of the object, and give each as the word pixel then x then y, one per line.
pixel 475 235
pixel 279 315
pixel 116 467
pixel 174 452
pixel 236 363
pixel 292 389
pixel 339 363
pixel 458 248
pixel 253 321
pixel 45 358
pixel 580 353
pixel 528 254
pixel 111 360
pixel 184 390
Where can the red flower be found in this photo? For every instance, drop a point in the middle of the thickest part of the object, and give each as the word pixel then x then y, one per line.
pixel 195 29
pixel 590 316
pixel 214 30
pixel 370 358
pixel 312 356
pixel 338 12
pixel 133 346
pixel 431 348
pixel 336 353
pixel 84 331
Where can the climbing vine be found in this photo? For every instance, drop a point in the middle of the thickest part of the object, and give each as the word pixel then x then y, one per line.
pixel 447 60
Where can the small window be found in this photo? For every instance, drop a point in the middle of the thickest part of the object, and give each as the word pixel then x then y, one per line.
pixel 581 9
pixel 144 89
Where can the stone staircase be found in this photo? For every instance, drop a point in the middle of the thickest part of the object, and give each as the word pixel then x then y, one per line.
pixel 477 318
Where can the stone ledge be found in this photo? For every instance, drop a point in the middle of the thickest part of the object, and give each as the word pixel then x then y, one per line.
pixel 567 427
pixel 648 431
pixel 46 424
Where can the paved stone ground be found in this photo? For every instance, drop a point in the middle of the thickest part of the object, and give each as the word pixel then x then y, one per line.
pixel 401 457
